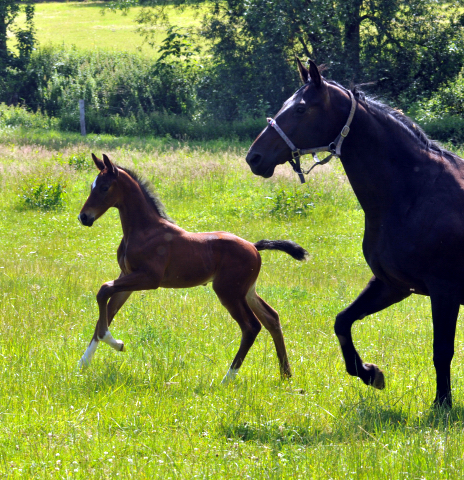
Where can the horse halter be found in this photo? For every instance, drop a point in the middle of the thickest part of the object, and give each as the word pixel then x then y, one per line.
pixel 334 148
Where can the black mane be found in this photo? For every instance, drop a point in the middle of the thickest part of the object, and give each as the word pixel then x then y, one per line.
pixel 402 120
pixel 407 123
pixel 149 194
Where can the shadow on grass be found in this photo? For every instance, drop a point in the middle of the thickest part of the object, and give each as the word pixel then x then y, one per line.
pixel 355 422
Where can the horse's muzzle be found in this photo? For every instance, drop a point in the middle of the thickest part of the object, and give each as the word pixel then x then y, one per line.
pixel 85 220
pixel 255 161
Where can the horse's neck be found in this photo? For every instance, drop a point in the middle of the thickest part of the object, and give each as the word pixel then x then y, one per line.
pixel 373 156
pixel 135 211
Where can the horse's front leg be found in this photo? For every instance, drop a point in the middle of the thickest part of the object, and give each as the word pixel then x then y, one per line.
pixel 118 291
pixel 445 310
pixel 375 297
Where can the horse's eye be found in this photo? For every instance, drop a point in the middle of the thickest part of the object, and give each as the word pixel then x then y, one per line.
pixel 300 109
pixel 104 188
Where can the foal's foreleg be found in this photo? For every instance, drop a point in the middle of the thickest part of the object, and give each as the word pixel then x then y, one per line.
pixel 115 303
pixel 375 297
pixel 270 319
pixel 118 291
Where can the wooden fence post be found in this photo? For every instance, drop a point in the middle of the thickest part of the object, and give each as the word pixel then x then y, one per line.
pixel 82 117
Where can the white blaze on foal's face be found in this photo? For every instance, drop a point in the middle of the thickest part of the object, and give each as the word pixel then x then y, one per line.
pixel 94 184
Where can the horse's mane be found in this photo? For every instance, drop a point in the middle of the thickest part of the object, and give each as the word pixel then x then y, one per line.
pixel 149 194
pixel 403 121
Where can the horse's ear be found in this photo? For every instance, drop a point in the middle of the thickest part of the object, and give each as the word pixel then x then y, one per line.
pixel 304 74
pixel 109 165
pixel 98 163
pixel 315 74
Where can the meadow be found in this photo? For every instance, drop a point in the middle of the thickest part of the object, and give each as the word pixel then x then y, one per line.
pixel 159 410
pixel 87 26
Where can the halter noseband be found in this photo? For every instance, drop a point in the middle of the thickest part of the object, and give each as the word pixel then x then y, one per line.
pixel 334 148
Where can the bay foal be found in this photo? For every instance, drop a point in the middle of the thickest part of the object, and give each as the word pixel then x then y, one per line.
pixel 154 252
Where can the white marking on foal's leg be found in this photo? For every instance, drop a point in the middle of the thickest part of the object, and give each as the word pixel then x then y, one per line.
pixel 84 362
pixel 116 344
pixel 230 376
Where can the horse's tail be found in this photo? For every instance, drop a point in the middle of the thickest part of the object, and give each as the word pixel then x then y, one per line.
pixel 287 246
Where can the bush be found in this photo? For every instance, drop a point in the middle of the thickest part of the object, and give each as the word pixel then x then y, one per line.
pixel 292 204
pixel 44 195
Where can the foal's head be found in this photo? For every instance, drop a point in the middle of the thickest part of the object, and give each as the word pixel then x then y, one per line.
pixel 104 193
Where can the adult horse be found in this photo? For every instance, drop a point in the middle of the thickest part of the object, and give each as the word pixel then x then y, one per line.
pixel 154 252
pixel 412 194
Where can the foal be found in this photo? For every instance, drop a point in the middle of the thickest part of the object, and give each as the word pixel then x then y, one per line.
pixel 154 252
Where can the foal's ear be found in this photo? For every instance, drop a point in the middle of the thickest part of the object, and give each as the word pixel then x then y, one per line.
pixel 109 165
pixel 99 164
pixel 315 74
pixel 304 74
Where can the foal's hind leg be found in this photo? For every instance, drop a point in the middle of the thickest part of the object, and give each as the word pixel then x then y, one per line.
pixel 270 319
pixel 249 324
pixel 375 297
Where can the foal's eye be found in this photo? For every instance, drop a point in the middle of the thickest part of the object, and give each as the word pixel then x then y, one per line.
pixel 300 109
pixel 104 188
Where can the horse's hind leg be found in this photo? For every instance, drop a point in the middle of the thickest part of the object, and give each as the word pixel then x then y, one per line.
pixel 270 319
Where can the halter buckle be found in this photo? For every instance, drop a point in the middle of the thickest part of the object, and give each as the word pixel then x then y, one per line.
pixel 332 148
pixel 345 131
pixel 296 154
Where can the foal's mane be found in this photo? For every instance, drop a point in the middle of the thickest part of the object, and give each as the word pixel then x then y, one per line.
pixel 148 193
pixel 401 120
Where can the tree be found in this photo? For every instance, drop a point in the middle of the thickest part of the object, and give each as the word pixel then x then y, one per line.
pixel 405 48
pixel 13 64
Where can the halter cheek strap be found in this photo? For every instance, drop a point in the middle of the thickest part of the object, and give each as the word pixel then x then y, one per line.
pixel 334 148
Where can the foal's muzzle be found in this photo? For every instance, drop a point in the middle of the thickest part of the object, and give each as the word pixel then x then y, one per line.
pixel 86 220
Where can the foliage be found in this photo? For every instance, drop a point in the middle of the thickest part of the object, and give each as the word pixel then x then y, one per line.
pixel 406 48
pixel 12 64
pixel 11 116
pixel 44 194
pixel 80 161
pixel 287 205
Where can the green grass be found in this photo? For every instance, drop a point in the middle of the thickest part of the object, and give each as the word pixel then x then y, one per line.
pixel 158 410
pixel 83 25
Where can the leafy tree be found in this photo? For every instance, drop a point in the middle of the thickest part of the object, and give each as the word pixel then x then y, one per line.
pixel 406 48
pixel 13 64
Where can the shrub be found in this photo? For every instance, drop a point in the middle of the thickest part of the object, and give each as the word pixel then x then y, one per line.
pixel 44 195
pixel 292 204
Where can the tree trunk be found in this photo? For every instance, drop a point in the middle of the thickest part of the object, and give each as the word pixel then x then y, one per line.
pixel 352 39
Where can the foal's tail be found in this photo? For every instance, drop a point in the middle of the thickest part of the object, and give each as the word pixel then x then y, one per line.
pixel 287 246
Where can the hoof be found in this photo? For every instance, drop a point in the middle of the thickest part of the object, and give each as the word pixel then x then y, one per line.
pixel 83 364
pixel 379 379
pixel 122 347
pixel 443 403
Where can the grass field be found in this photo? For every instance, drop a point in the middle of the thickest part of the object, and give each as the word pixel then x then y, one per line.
pixel 158 410
pixel 83 25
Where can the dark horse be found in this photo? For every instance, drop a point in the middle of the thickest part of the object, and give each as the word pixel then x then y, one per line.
pixel 412 194
pixel 154 252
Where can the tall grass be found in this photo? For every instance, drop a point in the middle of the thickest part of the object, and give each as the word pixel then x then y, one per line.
pixel 158 410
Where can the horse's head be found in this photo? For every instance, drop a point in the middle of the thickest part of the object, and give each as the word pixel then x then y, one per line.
pixel 103 193
pixel 312 117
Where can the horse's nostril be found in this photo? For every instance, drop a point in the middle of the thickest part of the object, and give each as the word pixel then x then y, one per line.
pixel 253 159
